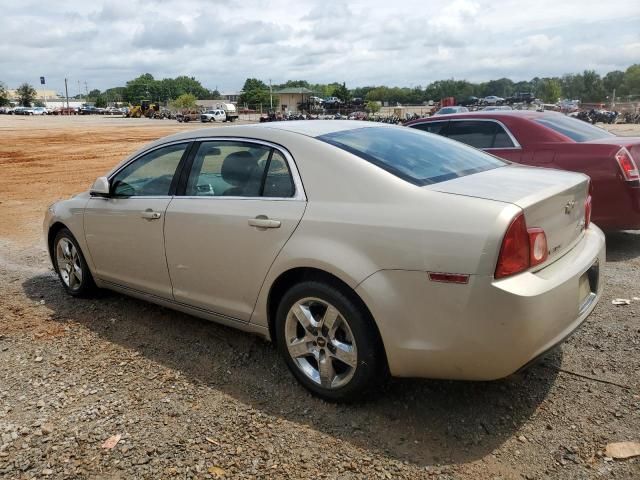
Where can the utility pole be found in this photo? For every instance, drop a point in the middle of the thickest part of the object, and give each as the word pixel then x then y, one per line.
pixel 613 99
pixel 270 96
pixel 66 92
pixel 79 90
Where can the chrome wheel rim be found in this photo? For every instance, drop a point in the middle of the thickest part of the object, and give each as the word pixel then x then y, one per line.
pixel 321 343
pixel 69 266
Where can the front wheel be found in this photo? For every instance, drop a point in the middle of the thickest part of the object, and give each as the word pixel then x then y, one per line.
pixel 71 266
pixel 329 341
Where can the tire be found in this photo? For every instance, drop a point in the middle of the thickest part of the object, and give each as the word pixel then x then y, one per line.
pixel 353 331
pixel 74 274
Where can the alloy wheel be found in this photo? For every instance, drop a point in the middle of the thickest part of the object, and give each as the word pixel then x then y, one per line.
pixel 321 343
pixel 69 265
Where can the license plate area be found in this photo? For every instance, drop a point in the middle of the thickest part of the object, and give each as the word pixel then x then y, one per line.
pixel 588 287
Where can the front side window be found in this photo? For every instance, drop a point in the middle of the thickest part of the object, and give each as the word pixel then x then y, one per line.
pixel 150 174
pixel 238 169
pixel 411 155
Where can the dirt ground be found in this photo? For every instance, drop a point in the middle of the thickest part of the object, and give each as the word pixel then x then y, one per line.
pixel 192 399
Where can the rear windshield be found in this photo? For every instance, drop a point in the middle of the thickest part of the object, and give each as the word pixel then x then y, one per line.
pixel 573 128
pixel 415 156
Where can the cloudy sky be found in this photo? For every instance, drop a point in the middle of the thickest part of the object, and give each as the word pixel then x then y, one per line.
pixel 361 42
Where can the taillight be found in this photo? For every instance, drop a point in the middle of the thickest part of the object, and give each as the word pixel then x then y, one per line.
pixel 521 248
pixel 538 246
pixel 627 165
pixel 587 206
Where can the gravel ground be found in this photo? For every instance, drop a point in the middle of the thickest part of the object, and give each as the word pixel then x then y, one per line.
pixel 191 399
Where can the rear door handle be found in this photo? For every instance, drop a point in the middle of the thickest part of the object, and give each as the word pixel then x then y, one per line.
pixel 150 214
pixel 262 221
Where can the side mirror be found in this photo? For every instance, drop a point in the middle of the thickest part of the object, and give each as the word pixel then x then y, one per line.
pixel 100 187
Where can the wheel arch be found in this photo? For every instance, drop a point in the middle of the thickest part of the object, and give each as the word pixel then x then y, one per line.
pixel 51 236
pixel 296 275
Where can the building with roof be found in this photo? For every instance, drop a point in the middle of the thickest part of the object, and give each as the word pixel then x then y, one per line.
pixel 291 98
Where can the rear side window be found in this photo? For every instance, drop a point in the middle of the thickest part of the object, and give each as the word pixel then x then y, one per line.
pixel 479 134
pixel 573 128
pixel 411 155
pixel 432 127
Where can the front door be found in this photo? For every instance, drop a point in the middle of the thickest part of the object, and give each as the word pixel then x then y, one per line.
pixel 124 232
pixel 239 208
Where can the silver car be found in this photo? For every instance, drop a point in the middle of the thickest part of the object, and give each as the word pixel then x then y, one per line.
pixel 361 249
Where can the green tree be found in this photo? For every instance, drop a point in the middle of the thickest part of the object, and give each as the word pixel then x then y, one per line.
pixel 593 87
pixel 101 101
pixel 186 100
pixel 372 107
pixel 613 81
pixel 631 82
pixel 4 95
pixel 95 93
pixel 26 94
pixel 342 92
pixel 255 92
pixel 549 89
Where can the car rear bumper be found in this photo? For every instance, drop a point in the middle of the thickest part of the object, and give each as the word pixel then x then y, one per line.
pixel 486 329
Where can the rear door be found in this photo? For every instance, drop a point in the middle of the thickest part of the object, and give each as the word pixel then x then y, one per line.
pixel 241 202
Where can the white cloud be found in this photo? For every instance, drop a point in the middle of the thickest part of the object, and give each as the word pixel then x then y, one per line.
pixel 361 42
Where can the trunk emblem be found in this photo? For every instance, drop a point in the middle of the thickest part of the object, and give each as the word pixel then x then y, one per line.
pixel 568 208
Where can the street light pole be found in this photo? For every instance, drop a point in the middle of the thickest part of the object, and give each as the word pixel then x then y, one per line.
pixel 270 96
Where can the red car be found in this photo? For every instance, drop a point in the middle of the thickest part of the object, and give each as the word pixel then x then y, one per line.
pixel 553 140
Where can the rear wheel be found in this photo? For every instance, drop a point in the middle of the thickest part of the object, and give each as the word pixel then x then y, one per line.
pixel 71 266
pixel 329 342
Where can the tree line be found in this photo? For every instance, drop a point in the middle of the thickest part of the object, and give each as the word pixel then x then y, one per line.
pixel 588 87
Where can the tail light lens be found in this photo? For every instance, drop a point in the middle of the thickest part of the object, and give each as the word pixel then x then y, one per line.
pixel 587 206
pixel 627 165
pixel 522 248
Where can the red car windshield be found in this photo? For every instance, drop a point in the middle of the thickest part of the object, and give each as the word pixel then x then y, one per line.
pixel 575 129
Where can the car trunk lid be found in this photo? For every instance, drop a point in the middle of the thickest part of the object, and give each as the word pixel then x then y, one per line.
pixel 553 200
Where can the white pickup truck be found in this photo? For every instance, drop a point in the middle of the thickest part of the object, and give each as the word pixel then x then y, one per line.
pixel 217 115
pixel 230 110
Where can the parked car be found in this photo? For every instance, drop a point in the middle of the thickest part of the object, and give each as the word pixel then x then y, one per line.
pixel 450 110
pixel 469 101
pixel 352 275
pixel 213 116
pixel 23 111
pixel 521 97
pixel 492 100
pixel 40 111
pixel 66 111
pixel 549 139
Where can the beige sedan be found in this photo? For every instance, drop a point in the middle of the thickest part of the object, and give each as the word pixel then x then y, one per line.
pixel 361 249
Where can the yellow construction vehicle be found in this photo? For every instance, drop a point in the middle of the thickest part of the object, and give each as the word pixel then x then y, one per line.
pixel 146 109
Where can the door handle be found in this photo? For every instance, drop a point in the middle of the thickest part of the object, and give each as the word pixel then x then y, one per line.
pixel 262 221
pixel 149 214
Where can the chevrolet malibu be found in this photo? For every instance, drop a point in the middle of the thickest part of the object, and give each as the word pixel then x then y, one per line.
pixel 361 250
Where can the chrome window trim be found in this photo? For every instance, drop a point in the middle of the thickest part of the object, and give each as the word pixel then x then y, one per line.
pixel 142 154
pixel 299 194
pixel 516 144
